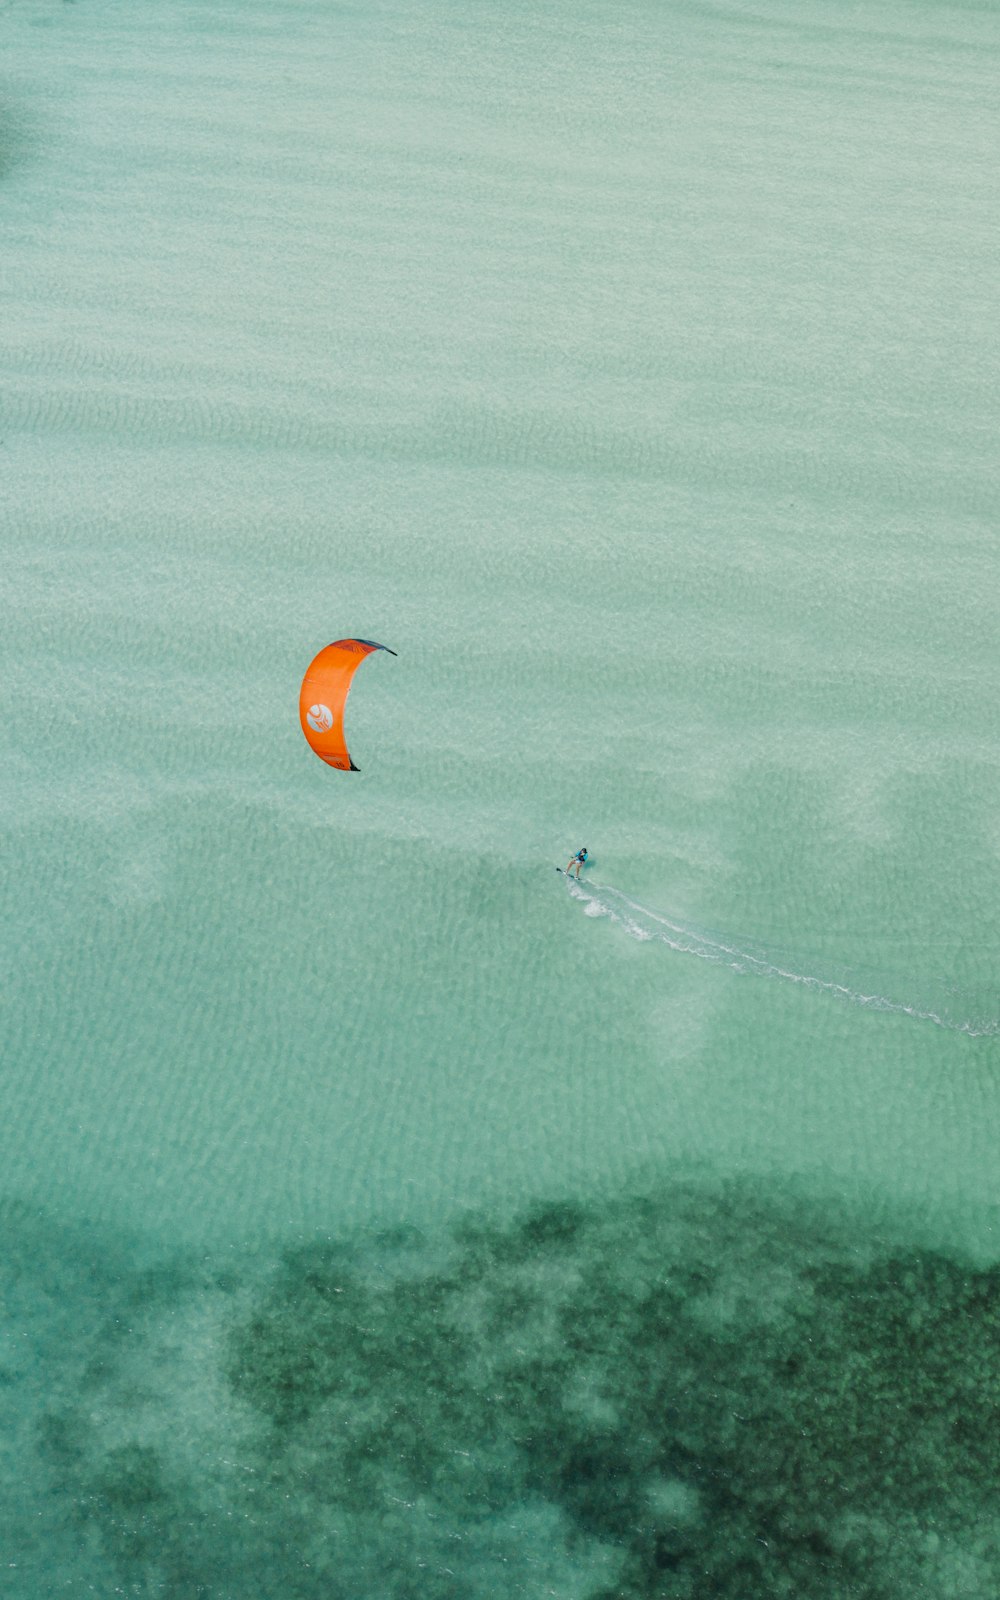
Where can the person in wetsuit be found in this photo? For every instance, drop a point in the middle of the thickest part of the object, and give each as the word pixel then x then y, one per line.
pixel 578 861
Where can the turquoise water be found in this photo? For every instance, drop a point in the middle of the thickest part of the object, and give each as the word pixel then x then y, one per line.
pixel 383 1215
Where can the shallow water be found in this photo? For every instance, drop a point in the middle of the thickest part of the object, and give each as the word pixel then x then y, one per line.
pixel 632 375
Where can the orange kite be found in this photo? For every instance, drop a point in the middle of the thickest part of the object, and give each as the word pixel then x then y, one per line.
pixel 324 694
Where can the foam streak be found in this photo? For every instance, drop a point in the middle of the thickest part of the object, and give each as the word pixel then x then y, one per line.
pixel 645 923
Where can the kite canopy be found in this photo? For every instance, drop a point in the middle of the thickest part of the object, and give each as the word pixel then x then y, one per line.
pixel 324 694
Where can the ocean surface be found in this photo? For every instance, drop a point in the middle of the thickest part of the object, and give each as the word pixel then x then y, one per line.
pixel 385 1217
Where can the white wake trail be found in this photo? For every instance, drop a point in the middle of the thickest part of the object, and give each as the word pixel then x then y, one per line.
pixel 645 923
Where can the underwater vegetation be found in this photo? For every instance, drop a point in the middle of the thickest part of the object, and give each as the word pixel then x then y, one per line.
pixel 690 1393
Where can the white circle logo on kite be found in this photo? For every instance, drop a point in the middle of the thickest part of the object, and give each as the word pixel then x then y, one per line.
pixel 320 718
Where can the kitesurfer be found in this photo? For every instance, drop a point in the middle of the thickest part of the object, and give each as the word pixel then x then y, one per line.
pixel 577 861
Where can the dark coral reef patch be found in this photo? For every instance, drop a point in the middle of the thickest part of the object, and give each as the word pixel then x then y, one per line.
pixel 688 1394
